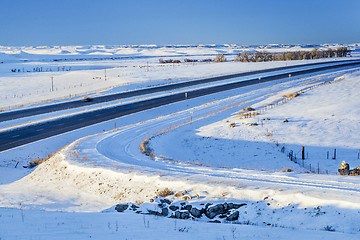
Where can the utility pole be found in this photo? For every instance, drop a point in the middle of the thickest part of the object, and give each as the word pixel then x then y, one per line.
pixel 52 83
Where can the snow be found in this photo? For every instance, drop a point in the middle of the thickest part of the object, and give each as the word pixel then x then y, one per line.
pixel 72 194
pixel 24 224
pixel 82 71
pixel 321 112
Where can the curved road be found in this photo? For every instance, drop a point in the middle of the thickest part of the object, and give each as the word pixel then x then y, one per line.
pixel 24 135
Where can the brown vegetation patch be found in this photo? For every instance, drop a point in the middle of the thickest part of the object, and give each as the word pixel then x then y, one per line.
pixel 291 95
pixel 164 193
pixel 37 161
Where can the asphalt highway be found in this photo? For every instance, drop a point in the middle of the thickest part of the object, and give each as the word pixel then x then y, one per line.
pixel 10 115
pixel 28 134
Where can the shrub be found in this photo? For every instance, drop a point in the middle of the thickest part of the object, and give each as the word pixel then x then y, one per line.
pixel 220 58
pixel 169 61
pixel 190 60
pixel 164 193
pixel 207 60
pixel 37 161
pixel 143 145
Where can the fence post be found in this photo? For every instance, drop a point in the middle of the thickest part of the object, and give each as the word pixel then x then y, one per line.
pixel 318 168
pixel 302 152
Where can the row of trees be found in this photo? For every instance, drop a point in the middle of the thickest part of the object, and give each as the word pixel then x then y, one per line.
pixel 169 60
pixel 264 56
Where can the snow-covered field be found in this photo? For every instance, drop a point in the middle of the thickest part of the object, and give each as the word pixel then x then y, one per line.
pixel 321 120
pixel 53 73
pixel 205 148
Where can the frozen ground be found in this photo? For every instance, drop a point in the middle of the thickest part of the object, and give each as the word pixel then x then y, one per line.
pixel 196 150
pixel 24 224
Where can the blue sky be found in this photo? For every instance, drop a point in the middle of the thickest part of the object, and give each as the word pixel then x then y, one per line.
pixel 118 22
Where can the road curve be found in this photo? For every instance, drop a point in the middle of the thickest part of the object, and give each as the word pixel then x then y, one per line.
pixel 24 135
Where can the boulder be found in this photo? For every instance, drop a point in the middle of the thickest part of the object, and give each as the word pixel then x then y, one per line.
pixel 134 207
pixel 344 168
pixel 165 200
pixel 196 212
pixel 121 207
pixel 173 208
pixel 208 205
pixel 355 172
pixel 187 207
pixel 182 214
pixel 212 212
pixel 162 205
pixel 164 212
pixel 233 216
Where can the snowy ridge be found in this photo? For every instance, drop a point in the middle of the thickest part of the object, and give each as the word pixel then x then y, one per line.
pixel 95 51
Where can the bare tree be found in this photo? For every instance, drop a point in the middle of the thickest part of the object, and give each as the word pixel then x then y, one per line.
pixel 220 58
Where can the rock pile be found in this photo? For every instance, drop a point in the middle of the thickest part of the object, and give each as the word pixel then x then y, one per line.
pixel 183 210
pixel 345 170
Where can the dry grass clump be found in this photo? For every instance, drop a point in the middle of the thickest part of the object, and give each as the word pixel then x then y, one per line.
pixel 232 125
pixel 145 148
pixel 164 193
pixel 37 161
pixel 291 95
pixel 179 194
pixel 186 198
pixel 143 145
pixel 287 170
